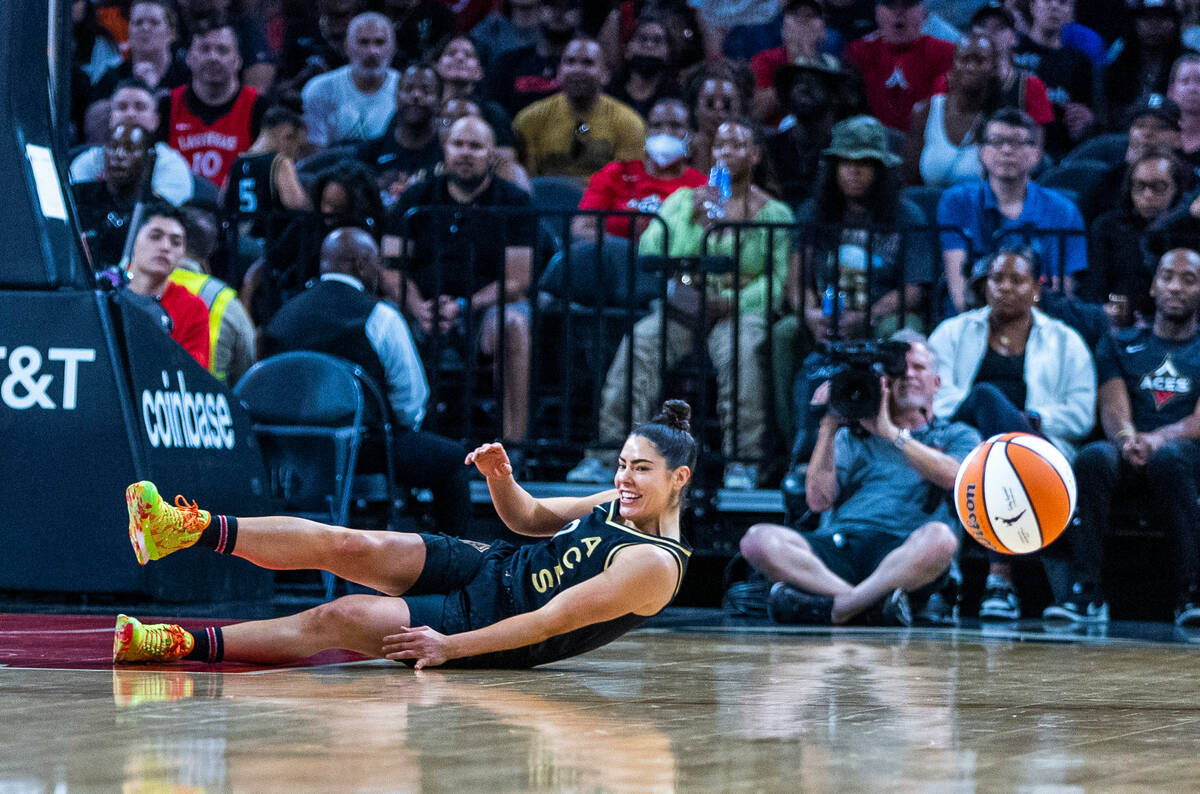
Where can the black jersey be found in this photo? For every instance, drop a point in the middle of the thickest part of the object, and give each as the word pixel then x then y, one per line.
pixel 1162 376
pixel 251 192
pixel 581 550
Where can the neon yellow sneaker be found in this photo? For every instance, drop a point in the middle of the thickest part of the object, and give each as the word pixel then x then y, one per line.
pixel 158 642
pixel 156 528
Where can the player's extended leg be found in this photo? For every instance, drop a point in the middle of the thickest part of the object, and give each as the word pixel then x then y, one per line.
pixel 919 560
pixel 386 561
pixel 354 623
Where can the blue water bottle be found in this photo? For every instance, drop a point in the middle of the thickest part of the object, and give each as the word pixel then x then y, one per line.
pixel 718 177
pixel 828 299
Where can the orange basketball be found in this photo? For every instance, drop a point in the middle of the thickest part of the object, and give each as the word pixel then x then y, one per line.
pixel 1015 493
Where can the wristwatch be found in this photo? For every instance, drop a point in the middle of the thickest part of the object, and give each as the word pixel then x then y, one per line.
pixel 902 438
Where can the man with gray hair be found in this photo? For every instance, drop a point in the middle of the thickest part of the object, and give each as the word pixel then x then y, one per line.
pixel 881 485
pixel 355 102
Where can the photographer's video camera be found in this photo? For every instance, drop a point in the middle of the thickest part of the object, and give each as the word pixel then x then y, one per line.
pixel 854 390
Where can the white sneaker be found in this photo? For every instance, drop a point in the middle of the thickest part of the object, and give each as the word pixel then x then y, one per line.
pixel 590 470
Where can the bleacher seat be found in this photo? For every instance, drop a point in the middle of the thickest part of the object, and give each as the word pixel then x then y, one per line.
pixel 1084 178
pixel 555 193
pixel 926 197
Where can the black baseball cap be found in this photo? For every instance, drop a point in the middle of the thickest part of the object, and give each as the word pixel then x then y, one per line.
pixel 1160 107
pixel 905 3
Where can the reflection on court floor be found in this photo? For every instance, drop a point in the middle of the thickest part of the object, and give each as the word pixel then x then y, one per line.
pixel 691 704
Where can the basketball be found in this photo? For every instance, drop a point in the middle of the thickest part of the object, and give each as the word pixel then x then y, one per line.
pixel 1015 493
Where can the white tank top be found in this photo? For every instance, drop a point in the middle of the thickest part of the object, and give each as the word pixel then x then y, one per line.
pixel 943 163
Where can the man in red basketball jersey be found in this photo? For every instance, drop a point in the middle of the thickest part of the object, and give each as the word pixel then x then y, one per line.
pixel 215 118
pixel 880 484
pixel 898 63
pixel 1150 411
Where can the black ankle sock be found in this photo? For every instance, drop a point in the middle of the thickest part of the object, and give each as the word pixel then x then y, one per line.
pixel 209 646
pixel 220 535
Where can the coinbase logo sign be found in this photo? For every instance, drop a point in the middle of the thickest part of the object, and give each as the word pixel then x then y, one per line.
pixel 176 418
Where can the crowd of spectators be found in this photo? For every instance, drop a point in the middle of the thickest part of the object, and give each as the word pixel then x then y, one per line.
pixel 1015 178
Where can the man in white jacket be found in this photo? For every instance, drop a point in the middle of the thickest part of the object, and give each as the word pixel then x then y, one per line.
pixel 1008 367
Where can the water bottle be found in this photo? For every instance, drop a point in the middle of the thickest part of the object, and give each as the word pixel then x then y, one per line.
pixel 828 299
pixel 718 177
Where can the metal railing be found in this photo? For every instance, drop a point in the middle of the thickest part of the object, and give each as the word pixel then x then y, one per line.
pixel 587 292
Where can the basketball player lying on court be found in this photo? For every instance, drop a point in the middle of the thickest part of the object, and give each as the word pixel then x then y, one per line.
pixel 609 561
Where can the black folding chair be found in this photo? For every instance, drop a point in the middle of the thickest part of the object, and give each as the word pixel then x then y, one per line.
pixel 312 413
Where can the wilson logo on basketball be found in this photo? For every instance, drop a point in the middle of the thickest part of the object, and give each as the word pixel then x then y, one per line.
pixel 1015 493
pixel 1165 383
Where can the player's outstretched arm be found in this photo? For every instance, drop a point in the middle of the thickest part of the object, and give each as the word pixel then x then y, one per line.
pixel 641 579
pixel 520 511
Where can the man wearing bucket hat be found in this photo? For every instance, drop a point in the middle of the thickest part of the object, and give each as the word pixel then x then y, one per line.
pixel 858 243
pixel 857 238
pixel 899 64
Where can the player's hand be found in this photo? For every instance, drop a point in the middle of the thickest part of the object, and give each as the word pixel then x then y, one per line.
pixel 491 460
pixel 422 643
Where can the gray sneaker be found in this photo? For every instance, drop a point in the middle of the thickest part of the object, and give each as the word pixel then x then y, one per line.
pixel 590 470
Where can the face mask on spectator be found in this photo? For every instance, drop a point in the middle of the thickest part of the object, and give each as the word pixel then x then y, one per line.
pixel 666 149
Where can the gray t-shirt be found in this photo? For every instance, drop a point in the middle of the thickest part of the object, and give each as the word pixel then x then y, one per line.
pixel 878 489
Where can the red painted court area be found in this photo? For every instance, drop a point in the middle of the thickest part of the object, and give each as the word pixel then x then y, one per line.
pixel 84 642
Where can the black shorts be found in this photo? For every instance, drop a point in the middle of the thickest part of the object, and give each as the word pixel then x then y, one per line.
pixel 853 555
pixel 462 585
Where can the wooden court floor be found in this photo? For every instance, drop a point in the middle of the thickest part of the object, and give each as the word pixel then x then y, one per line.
pixel 684 707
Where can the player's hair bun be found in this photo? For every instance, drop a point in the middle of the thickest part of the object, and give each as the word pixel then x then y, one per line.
pixel 675 414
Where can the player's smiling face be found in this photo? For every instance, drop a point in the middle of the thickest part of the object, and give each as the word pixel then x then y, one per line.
pixel 646 486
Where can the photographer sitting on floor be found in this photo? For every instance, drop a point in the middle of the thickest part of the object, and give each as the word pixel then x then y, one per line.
pixel 881 482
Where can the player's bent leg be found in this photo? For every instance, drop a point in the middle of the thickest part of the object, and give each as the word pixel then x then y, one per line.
pixel 917 561
pixel 354 623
